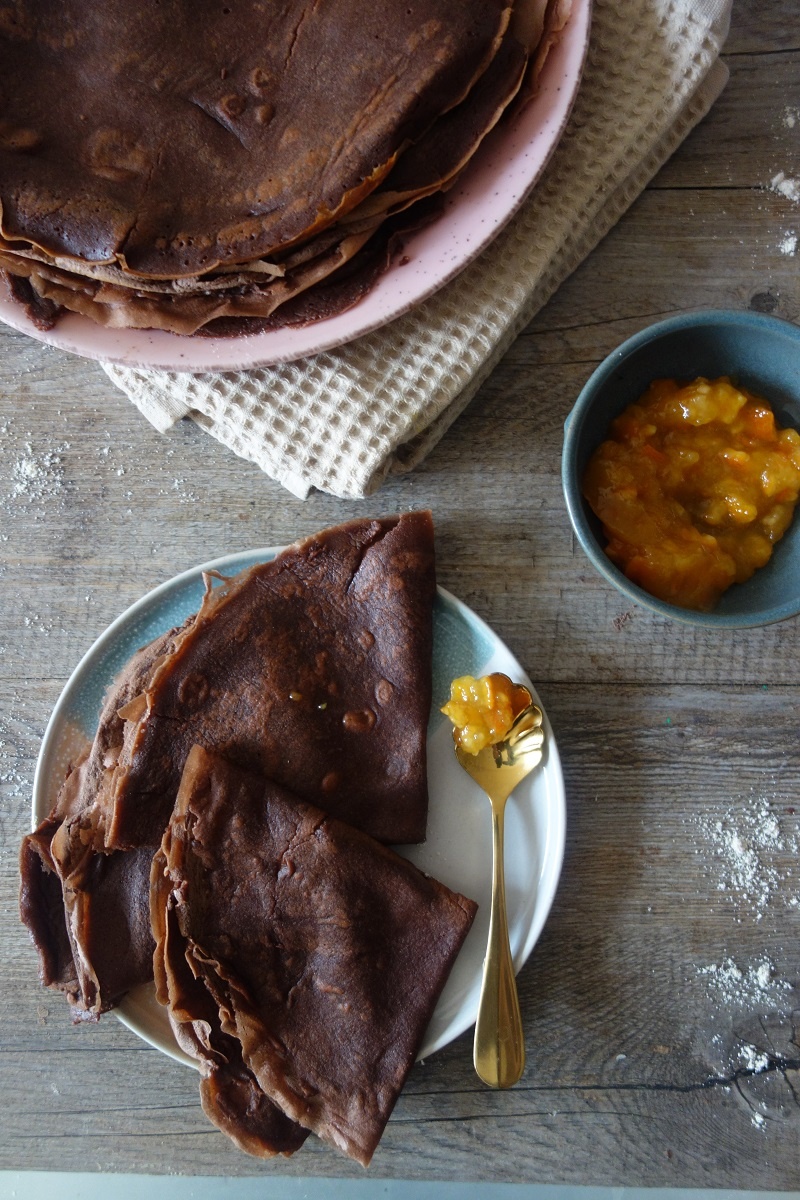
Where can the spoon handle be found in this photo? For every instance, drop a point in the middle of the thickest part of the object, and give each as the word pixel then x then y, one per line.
pixel 499 1052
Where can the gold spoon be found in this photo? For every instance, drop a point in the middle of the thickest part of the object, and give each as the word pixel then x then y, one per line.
pixel 499 1053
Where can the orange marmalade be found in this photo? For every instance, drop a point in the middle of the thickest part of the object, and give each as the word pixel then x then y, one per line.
pixel 694 487
pixel 483 710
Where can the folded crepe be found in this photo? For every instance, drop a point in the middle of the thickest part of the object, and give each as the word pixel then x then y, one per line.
pixel 296 953
pixel 89 918
pixel 315 668
pixel 88 912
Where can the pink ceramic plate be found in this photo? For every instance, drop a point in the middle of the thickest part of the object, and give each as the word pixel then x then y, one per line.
pixel 500 177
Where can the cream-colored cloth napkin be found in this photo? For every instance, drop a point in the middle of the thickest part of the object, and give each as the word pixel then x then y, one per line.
pixel 341 421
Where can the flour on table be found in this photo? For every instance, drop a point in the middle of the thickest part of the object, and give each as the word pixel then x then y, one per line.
pixel 35 476
pixel 783 185
pixel 749 853
pixel 788 244
pixel 12 782
pixel 748 856
pixel 737 986
pixel 181 491
pixel 753 1059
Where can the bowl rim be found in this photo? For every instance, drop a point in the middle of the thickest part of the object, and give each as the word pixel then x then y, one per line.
pixel 573 426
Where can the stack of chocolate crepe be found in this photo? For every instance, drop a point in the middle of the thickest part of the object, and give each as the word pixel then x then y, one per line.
pixel 225 832
pixel 227 168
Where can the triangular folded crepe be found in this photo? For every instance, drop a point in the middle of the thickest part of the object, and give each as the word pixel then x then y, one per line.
pixel 88 915
pixel 313 669
pixel 324 952
pixel 229 1092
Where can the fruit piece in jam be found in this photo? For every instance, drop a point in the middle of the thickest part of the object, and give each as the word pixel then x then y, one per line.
pixel 483 710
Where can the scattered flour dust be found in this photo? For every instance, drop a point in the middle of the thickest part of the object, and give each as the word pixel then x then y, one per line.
pixel 781 183
pixel 754 1062
pixel 755 984
pixel 184 494
pixel 12 782
pixel 749 856
pixel 784 185
pixel 37 475
pixel 750 851
pixel 753 1059
pixel 787 186
pixel 788 244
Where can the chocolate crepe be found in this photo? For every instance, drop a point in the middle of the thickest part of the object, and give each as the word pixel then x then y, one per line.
pixel 313 669
pixel 229 1092
pixel 202 149
pixel 87 911
pixel 248 299
pixel 174 137
pixel 324 953
pixel 285 672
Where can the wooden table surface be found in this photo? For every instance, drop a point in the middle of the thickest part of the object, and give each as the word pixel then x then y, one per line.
pixel 660 1005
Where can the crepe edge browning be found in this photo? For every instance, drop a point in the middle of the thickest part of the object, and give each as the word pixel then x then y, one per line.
pixel 407 929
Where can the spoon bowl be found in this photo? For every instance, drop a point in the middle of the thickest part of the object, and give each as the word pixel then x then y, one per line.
pixel 504 764
pixel 499 1050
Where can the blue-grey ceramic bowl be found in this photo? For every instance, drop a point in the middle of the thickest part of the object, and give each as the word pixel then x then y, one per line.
pixel 758 352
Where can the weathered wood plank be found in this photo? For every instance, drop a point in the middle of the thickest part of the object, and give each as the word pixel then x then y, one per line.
pixel 763 28
pixel 660 1004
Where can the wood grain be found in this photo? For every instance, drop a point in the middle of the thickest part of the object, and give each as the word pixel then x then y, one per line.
pixel 649 1062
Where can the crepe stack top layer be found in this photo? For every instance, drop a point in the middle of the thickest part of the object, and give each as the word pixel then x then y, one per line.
pixel 203 133
pixel 187 165
pixel 323 952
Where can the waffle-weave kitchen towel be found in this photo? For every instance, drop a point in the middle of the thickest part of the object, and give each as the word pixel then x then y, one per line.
pixel 342 420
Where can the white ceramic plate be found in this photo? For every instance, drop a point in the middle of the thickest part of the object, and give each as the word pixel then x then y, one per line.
pixel 458 850
pixel 496 183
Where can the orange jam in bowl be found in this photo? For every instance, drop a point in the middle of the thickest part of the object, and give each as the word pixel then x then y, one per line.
pixel 693 487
